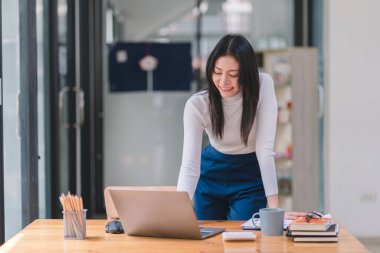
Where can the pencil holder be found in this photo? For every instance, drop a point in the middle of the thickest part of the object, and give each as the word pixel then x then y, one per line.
pixel 74 224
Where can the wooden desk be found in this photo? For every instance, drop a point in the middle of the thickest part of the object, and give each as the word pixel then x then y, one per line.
pixel 47 236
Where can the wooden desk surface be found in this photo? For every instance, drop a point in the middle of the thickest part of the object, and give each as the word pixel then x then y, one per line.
pixel 47 236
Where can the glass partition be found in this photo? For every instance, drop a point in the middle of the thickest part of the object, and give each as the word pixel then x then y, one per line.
pixel 11 116
pixel 42 26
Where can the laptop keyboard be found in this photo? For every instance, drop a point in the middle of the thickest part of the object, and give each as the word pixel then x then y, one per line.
pixel 206 231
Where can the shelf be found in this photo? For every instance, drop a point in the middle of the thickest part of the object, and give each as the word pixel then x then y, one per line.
pixel 283 156
pixel 286 122
pixel 282 85
pixel 295 72
pixel 283 159
pixel 286 202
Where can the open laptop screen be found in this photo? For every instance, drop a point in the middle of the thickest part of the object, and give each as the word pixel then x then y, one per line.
pixel 158 214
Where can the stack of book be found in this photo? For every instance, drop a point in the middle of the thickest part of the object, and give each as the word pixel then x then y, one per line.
pixel 315 230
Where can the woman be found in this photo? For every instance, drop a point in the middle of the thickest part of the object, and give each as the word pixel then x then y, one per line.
pixel 235 175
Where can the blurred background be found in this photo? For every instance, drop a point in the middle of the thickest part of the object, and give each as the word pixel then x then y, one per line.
pixel 93 93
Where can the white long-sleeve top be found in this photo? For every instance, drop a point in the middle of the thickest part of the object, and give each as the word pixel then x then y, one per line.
pixel 196 119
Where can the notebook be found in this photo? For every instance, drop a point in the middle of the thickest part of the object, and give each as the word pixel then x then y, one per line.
pixel 159 214
pixel 321 224
pixel 333 230
pixel 316 239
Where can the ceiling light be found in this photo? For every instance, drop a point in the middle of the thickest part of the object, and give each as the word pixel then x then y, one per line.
pixel 237 6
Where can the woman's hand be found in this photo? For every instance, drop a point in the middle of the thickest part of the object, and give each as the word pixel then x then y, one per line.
pixel 294 215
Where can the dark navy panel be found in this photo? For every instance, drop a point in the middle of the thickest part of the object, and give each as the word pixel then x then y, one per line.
pixel 127 76
pixel 173 73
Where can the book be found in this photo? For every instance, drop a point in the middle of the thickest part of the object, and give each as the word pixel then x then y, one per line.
pixel 316 239
pixel 333 230
pixel 321 224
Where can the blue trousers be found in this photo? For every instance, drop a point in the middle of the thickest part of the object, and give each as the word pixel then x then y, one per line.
pixel 230 186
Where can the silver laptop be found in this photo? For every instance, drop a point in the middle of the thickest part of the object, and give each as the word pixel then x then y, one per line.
pixel 159 214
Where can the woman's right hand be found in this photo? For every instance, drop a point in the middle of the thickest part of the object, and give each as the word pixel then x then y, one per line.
pixel 294 215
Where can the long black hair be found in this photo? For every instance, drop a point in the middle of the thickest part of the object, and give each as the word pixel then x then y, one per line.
pixel 237 46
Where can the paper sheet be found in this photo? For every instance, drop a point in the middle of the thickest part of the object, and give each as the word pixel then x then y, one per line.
pixel 249 225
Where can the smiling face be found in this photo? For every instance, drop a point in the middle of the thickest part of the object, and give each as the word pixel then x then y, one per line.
pixel 226 76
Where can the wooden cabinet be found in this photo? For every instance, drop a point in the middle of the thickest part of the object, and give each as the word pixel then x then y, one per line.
pixel 295 74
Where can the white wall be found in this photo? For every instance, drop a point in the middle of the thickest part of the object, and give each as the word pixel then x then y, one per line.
pixel 352 141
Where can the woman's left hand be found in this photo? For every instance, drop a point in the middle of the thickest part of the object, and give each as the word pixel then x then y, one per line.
pixel 294 215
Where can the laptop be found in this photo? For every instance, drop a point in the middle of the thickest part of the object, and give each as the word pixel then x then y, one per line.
pixel 159 214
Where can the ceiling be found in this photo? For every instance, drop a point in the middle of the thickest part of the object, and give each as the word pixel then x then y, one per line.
pixel 144 17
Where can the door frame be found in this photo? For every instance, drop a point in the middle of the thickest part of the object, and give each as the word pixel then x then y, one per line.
pixel 91 51
pixel 27 114
pixel 2 215
pixel 28 111
pixel 88 179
